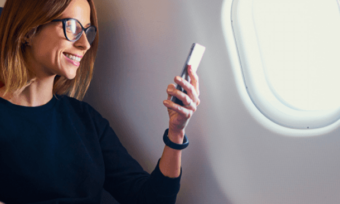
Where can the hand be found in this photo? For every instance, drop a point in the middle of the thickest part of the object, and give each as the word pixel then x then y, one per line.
pixel 180 115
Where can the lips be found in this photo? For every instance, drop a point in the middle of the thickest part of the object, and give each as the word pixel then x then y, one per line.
pixel 73 59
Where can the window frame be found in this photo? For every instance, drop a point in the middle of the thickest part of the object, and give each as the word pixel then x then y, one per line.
pixel 255 91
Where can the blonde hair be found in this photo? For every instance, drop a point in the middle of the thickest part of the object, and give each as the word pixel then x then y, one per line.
pixel 21 19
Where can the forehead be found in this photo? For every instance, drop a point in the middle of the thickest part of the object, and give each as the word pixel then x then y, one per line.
pixel 80 10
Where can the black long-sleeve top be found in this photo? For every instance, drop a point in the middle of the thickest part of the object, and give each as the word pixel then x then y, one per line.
pixel 65 152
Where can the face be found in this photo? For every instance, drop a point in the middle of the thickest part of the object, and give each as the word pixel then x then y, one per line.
pixel 49 51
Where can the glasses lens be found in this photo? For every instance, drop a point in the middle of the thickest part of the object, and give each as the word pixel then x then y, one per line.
pixel 73 29
pixel 91 34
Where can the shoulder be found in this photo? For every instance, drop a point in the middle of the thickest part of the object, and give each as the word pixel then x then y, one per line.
pixel 75 106
pixel 66 100
pixel 80 111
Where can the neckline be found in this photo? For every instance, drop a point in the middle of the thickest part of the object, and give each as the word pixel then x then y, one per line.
pixel 44 107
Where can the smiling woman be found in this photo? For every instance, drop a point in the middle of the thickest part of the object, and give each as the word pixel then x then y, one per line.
pixel 55 148
pixel 27 25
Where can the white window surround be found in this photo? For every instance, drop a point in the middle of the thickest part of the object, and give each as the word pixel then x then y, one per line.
pixel 255 93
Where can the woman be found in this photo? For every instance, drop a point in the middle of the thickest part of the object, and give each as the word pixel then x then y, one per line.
pixel 53 147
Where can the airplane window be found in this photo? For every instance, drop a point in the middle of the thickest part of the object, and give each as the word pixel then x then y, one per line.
pixel 288 52
pixel 300 44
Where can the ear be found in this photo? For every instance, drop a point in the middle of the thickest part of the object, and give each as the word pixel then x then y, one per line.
pixel 28 37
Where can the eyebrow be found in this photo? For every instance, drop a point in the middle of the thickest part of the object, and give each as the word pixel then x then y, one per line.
pixel 89 24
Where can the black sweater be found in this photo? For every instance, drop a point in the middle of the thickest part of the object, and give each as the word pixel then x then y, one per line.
pixel 64 152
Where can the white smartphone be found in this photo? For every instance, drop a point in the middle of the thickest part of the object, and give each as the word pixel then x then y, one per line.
pixel 194 59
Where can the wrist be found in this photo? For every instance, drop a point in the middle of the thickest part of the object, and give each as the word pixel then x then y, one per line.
pixel 175 143
pixel 176 136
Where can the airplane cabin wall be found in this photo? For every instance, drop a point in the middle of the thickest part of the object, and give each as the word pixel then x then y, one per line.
pixel 231 158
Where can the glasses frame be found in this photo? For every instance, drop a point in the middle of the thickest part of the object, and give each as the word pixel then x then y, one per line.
pixel 83 29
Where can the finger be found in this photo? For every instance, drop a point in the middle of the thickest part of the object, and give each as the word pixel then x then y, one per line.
pixel 187 101
pixel 184 112
pixel 189 88
pixel 194 79
pixel 170 86
pixel 195 82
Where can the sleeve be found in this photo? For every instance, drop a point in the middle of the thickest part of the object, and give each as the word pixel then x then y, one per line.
pixel 126 180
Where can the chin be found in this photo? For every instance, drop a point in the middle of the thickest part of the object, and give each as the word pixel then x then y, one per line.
pixel 69 73
pixel 70 77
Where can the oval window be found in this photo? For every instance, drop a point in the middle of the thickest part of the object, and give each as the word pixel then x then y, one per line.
pixel 288 52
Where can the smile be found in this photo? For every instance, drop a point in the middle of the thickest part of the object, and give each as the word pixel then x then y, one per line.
pixel 72 59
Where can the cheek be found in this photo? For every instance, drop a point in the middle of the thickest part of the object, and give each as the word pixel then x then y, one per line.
pixel 47 47
pixel 48 53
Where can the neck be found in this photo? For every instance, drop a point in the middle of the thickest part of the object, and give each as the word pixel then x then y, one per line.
pixel 37 93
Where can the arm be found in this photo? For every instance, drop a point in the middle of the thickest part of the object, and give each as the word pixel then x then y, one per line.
pixel 170 163
pixel 124 177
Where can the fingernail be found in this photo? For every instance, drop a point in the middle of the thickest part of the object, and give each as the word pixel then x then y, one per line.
pixel 170 89
pixel 166 102
pixel 178 78
pixel 190 68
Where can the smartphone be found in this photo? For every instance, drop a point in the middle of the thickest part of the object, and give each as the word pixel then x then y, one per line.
pixel 194 59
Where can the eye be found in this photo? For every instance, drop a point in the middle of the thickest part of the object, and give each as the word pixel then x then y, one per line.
pixel 71 26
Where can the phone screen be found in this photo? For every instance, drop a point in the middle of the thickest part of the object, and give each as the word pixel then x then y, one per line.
pixel 194 59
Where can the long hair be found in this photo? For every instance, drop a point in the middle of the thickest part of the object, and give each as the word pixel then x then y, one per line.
pixel 20 19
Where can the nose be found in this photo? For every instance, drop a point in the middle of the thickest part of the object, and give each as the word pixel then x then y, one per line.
pixel 83 43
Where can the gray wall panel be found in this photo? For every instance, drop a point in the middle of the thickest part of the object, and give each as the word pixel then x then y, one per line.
pixel 232 158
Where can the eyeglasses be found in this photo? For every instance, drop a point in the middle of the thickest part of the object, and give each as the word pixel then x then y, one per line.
pixel 73 30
